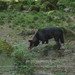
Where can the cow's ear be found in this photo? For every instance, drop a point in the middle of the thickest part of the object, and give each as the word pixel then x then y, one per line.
pixel 30 40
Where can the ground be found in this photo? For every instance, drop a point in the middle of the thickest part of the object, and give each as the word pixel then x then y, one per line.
pixel 44 65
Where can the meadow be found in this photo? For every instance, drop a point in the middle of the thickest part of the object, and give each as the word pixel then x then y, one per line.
pixel 17 27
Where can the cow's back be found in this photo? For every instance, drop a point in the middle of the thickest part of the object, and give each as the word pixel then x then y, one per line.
pixel 50 30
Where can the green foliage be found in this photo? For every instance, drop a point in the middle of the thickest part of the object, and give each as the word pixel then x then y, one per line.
pixel 67 2
pixel 60 73
pixel 34 19
pixel 35 8
pixel 54 2
pixel 68 32
pixel 19 20
pixel 63 1
pixel 17 6
pixel 3 5
pixel 5 47
pixel 27 2
pixel 56 16
pixel 46 6
pixel 72 4
pixel 22 59
pixel 2 17
pixel 1 22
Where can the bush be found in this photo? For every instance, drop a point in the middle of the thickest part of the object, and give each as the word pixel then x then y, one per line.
pixel 35 8
pixel 61 6
pixel 54 2
pixel 27 2
pixel 68 32
pixel 3 5
pixel 22 59
pixel 5 47
pixel 72 4
pixel 46 6
pixel 17 6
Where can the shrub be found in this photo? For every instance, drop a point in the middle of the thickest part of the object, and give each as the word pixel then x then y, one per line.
pixel 5 47
pixel 16 6
pixel 72 4
pixel 3 5
pixel 19 20
pixel 46 6
pixel 27 2
pixel 35 8
pixel 59 73
pixel 54 2
pixel 1 22
pixel 61 6
pixel 68 32
pixel 22 59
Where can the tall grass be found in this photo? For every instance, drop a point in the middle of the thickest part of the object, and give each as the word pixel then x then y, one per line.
pixel 33 19
pixel 22 59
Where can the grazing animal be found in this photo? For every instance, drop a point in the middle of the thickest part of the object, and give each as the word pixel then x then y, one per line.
pixel 47 33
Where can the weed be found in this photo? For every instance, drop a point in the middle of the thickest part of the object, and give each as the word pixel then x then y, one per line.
pixel 1 22
pixel 57 62
pixel 5 47
pixel 59 73
pixel 22 59
pixel 36 17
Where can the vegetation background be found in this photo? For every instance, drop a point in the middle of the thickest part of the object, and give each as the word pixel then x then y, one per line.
pixel 19 21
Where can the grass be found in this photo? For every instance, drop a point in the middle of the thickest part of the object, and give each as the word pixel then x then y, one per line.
pixel 6 63
pixel 55 63
pixel 60 73
pixel 5 47
pixel 33 20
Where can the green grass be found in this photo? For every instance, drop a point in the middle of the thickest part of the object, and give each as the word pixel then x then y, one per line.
pixel 60 73
pixel 6 63
pixel 33 19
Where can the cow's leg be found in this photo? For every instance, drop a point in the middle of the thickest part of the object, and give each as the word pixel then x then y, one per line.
pixel 47 41
pixel 43 41
pixel 57 41
pixel 59 45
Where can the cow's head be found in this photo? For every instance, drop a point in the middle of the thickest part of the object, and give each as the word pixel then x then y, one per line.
pixel 33 43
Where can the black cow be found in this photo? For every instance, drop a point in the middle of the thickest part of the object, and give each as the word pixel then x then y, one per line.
pixel 47 33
